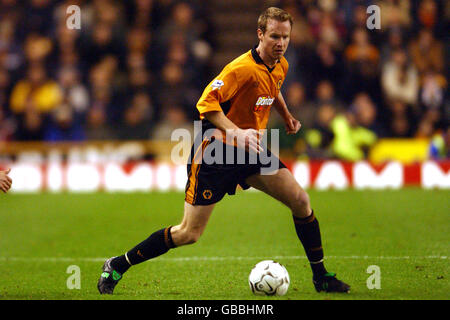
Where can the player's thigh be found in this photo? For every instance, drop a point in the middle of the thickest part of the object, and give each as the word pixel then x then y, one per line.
pixel 283 187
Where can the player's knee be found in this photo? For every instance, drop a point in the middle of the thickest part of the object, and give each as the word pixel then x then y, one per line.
pixel 192 237
pixel 189 236
pixel 300 198
pixel 300 203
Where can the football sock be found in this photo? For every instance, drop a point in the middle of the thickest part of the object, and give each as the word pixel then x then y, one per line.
pixel 308 232
pixel 157 244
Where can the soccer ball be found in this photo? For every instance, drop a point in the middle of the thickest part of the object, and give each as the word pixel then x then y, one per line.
pixel 269 278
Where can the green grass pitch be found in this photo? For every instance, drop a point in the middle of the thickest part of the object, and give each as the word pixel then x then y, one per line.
pixel 404 232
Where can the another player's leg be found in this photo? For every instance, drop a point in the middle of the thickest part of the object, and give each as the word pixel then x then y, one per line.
pixel 191 228
pixel 283 187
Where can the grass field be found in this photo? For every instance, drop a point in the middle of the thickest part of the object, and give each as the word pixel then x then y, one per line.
pixel 406 233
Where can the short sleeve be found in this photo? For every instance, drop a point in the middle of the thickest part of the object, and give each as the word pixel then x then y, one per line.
pixel 220 90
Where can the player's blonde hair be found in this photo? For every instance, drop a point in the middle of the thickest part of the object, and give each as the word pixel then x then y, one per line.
pixel 273 13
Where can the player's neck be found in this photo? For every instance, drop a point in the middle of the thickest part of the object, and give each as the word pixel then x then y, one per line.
pixel 265 58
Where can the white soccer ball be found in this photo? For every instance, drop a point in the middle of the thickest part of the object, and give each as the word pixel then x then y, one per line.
pixel 269 278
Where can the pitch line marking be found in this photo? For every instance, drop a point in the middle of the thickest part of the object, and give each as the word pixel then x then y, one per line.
pixel 206 258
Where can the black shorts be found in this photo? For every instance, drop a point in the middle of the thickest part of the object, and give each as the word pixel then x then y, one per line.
pixel 209 182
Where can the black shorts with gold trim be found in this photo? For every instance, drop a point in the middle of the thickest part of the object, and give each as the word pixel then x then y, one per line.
pixel 209 181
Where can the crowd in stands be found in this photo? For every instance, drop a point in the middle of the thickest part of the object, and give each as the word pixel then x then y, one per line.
pixel 350 85
pixel 136 68
pixel 132 71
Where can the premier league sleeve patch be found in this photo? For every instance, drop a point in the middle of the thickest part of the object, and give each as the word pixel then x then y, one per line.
pixel 217 84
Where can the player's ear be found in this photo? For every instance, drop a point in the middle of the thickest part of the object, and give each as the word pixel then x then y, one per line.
pixel 260 34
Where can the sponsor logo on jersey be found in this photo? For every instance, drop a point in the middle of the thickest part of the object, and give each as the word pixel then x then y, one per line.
pixel 262 102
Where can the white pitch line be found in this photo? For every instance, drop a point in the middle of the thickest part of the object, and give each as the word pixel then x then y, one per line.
pixel 212 258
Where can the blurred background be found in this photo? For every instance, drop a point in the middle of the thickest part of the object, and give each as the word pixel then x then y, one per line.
pixel 135 70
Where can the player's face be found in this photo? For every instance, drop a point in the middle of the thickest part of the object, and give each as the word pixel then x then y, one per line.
pixel 276 38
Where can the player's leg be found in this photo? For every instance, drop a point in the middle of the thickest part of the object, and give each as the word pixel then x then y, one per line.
pixel 188 231
pixel 283 187
pixel 193 224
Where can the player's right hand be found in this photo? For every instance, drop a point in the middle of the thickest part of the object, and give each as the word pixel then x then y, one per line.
pixel 249 139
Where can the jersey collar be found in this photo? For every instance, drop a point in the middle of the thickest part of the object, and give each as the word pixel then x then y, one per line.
pixel 258 59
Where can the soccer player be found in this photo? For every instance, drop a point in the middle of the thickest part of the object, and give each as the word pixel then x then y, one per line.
pixel 238 101
pixel 5 180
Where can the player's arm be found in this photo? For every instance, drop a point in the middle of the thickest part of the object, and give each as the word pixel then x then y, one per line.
pixel 246 138
pixel 292 124
pixel 5 181
pixel 220 90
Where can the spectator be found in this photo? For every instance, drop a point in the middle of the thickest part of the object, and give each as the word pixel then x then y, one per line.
pixel 7 123
pixel 105 89
pixel 432 91
pixel 427 52
pixel 181 22
pixel 143 14
pixel 362 59
pixel 440 145
pixel 365 113
pixel 326 64
pixel 351 141
pixel 321 136
pixel 100 44
pixel 31 125
pixel 63 126
pixel 346 135
pixel 432 104
pixel 11 56
pixel 395 13
pixel 66 120
pixel 300 50
pixel 298 104
pixel 299 108
pixel 173 118
pixel 137 118
pixel 36 92
pixel 97 127
pixel 5 86
pixel 401 121
pixel 325 93
pixel 37 48
pixel 139 60
pixel 394 42
pixel 427 14
pixel 8 126
pixel 175 87
pixel 65 53
pixel 399 78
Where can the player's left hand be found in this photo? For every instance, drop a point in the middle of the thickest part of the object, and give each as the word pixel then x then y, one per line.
pixel 5 180
pixel 292 125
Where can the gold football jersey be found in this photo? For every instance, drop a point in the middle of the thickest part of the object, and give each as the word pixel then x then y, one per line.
pixel 245 90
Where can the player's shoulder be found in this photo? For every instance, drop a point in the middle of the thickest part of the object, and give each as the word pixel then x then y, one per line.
pixel 284 64
pixel 242 65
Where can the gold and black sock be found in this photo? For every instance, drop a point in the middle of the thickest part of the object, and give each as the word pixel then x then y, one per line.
pixel 157 244
pixel 308 232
